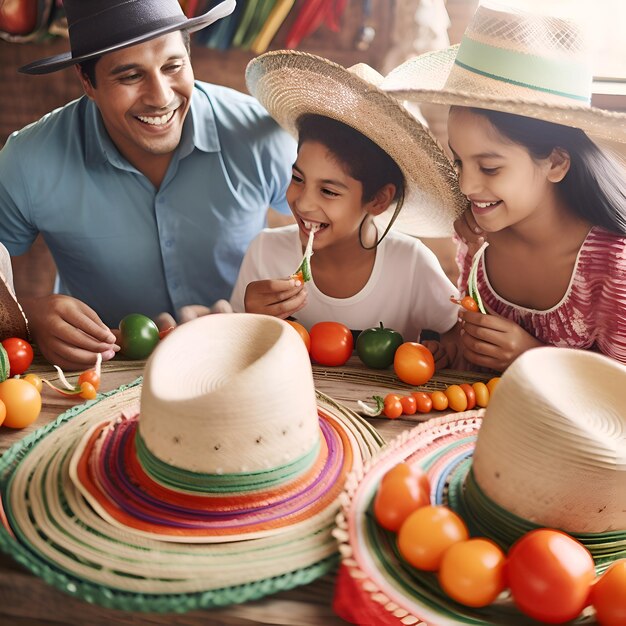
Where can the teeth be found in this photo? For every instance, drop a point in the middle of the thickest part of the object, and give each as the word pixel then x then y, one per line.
pixel 314 226
pixel 484 205
pixel 157 121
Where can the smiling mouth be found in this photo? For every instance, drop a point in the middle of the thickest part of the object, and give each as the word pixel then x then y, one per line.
pixel 156 120
pixel 313 226
pixel 485 206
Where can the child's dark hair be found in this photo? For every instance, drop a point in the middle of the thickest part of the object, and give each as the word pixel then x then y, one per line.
pixel 359 156
pixel 595 185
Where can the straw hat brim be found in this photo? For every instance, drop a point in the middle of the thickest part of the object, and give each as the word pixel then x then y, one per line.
pixel 443 447
pixel 291 83
pixel 431 70
pixel 53 531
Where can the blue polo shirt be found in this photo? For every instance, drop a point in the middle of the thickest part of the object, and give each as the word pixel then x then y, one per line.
pixel 122 246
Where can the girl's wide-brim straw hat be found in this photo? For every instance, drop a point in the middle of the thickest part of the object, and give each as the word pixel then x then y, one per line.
pixel 549 451
pixel 516 62
pixel 215 481
pixel 290 84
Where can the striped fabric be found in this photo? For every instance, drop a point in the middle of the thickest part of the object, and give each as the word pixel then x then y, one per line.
pixel 591 314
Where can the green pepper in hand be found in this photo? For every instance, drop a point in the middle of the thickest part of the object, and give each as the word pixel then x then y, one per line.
pixel 377 346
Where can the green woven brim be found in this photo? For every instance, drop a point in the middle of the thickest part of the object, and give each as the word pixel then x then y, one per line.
pixel 57 536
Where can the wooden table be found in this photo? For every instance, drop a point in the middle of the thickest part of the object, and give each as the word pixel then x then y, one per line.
pixel 26 600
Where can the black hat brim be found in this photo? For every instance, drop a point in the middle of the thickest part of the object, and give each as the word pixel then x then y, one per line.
pixel 66 59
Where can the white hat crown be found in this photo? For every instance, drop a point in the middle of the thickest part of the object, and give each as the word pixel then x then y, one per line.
pixel 552 446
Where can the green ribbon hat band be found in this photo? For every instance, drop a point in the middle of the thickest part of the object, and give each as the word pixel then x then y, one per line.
pixel 556 76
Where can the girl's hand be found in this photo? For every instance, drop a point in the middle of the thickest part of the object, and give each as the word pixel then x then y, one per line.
pixel 470 233
pixel 280 297
pixel 493 341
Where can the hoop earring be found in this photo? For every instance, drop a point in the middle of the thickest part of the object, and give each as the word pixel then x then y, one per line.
pixel 396 211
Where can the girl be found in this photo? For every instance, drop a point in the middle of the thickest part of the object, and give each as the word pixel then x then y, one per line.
pixel 12 319
pixel 359 153
pixel 549 201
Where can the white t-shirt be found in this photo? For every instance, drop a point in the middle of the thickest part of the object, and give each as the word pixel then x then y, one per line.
pixel 6 272
pixel 407 290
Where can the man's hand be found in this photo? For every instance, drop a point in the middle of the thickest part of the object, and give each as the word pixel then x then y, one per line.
pixel 68 332
pixel 493 341
pixel 165 321
pixel 280 297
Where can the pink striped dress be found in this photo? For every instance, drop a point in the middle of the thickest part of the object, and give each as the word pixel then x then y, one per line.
pixel 592 312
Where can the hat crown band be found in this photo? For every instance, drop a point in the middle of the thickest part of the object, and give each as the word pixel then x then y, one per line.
pixel 570 79
pixel 99 25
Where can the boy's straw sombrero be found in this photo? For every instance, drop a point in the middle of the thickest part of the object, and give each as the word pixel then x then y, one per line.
pixel 290 83
pixel 516 62
pixel 551 452
pixel 215 481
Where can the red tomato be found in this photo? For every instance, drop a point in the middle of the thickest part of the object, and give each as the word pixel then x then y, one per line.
pixel 409 405
pixel 608 595
pixel 22 402
pixel 331 343
pixel 303 332
pixel 423 401
pixel 91 377
pixel 413 363
pixel 472 572
pixel 20 354
pixel 427 533
pixel 549 574
pixel 392 407
pixel 470 394
pixel 403 489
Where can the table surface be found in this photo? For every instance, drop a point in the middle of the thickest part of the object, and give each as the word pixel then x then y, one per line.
pixel 26 600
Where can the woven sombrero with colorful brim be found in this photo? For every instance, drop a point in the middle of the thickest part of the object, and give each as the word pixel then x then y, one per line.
pixel 91 508
pixel 377 586
pixel 514 61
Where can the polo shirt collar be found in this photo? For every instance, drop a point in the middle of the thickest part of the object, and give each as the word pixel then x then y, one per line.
pixel 199 131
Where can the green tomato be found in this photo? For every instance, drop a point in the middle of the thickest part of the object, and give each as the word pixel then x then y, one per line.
pixel 138 336
pixel 376 347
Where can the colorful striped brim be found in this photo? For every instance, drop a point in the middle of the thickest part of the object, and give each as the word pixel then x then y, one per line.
pixel 81 513
pixel 376 585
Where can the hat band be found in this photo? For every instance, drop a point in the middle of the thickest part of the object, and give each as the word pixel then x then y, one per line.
pixel 554 76
pixel 186 480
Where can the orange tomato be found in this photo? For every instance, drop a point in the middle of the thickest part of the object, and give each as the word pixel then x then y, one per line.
pixel 470 395
pixel 34 380
pixel 22 402
pixel 492 383
pixel 403 489
pixel 3 412
pixel 331 343
pixel 392 407
pixel 414 363
pixel 423 402
pixel 439 400
pixel 472 572
pixel 549 574
pixel 482 394
pixel 303 332
pixel 427 533
pixel 457 400
pixel 608 595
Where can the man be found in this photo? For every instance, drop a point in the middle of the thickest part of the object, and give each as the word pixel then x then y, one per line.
pixel 148 189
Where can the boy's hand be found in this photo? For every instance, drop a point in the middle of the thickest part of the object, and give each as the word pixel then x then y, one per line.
pixel 165 321
pixel 280 297
pixel 493 341
pixel 68 332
